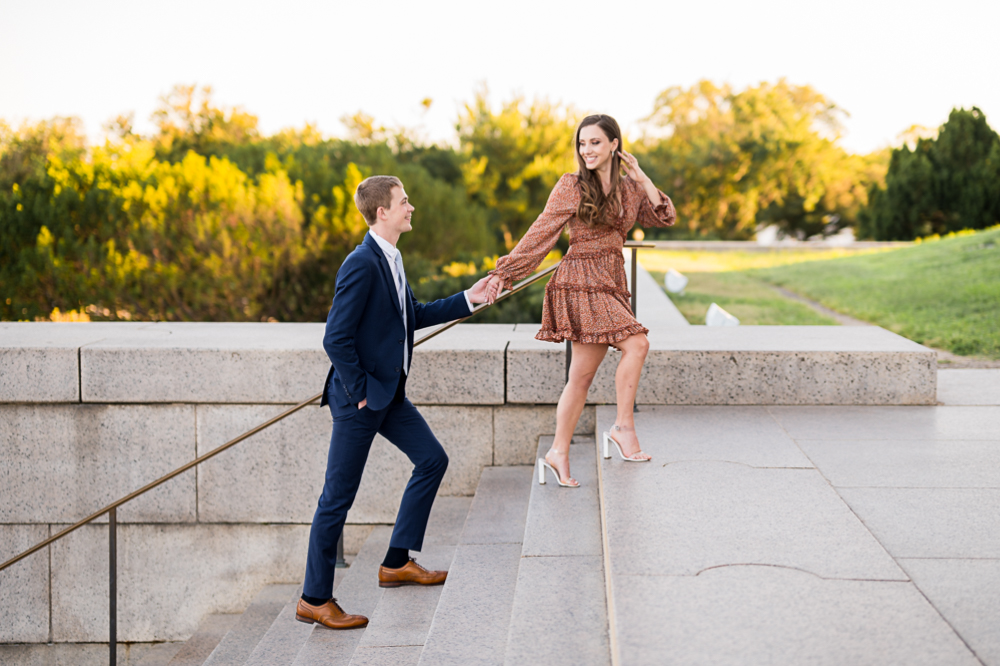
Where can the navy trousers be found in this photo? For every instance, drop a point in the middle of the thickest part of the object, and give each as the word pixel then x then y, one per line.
pixel 401 424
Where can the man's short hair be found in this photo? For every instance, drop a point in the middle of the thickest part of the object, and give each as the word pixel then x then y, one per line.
pixel 373 193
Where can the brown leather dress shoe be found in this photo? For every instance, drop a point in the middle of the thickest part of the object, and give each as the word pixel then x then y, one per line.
pixel 410 573
pixel 329 615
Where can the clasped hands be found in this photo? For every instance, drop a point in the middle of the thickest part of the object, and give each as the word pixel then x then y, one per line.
pixel 486 290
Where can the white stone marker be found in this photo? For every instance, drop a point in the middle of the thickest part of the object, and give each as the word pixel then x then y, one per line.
pixel 675 282
pixel 716 316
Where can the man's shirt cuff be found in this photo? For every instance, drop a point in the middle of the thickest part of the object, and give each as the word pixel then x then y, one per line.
pixel 467 301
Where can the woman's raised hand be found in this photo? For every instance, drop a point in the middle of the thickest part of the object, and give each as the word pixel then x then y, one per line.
pixel 631 166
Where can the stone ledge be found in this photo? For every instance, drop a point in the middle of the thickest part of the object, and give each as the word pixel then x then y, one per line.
pixel 206 363
pixel 748 365
pixel 463 366
pixel 472 364
pixel 39 362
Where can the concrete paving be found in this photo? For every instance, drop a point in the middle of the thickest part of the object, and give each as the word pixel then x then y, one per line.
pixel 967 593
pixel 969 387
pixel 766 615
pixel 821 535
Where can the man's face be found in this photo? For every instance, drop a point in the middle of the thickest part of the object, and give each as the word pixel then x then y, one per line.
pixel 397 216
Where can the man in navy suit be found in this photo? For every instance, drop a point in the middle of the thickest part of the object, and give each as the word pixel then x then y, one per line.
pixel 369 339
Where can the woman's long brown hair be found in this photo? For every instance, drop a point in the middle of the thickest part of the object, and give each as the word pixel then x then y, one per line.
pixel 597 208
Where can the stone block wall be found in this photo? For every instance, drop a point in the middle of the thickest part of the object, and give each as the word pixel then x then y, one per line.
pixel 91 412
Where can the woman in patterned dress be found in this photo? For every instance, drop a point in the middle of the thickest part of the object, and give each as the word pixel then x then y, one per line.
pixel 587 299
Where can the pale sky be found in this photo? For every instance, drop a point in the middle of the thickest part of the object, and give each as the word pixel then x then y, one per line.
pixel 889 64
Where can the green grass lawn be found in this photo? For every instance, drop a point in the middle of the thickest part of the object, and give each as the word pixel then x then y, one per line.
pixel 749 299
pixel 943 294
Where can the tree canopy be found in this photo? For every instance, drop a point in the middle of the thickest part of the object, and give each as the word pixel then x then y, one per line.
pixel 942 184
pixel 734 160
pixel 207 218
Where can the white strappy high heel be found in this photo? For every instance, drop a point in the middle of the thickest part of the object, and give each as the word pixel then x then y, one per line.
pixel 607 448
pixel 542 464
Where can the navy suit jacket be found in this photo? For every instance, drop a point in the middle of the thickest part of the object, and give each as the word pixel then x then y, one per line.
pixel 364 331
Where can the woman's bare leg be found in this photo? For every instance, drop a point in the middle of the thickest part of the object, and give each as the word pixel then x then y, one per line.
pixel 634 349
pixel 586 359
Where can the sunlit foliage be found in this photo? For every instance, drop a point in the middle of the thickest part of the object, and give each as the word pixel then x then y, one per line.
pixel 939 184
pixel 206 218
pixel 734 160
pixel 512 159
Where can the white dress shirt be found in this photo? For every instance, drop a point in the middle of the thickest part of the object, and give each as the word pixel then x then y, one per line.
pixel 390 252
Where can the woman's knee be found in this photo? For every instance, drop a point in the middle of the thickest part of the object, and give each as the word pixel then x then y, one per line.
pixel 581 380
pixel 637 344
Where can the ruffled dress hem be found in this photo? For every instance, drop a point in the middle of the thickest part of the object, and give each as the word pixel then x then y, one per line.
pixel 596 338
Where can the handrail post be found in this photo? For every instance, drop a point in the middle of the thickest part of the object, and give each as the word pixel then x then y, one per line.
pixel 113 586
pixel 635 300
pixel 635 269
pixel 569 358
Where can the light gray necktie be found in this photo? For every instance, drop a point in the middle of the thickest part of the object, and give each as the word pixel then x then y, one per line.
pixel 401 292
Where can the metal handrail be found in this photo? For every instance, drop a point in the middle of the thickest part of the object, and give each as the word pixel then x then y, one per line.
pixel 112 509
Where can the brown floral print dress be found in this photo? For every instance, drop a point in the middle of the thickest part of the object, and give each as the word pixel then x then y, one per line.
pixel 587 299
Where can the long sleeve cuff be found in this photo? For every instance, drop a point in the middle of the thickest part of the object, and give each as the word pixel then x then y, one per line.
pixel 664 213
pixel 467 301
pixel 508 281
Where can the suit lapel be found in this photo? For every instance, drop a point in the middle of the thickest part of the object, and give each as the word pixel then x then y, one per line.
pixel 386 272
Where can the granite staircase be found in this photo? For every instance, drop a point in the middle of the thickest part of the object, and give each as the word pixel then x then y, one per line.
pixel 510 551
pixel 758 535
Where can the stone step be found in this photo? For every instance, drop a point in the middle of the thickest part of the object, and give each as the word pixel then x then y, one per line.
pixel 357 594
pixel 399 626
pixel 210 632
pixel 235 648
pixel 559 613
pixel 399 617
pixel 470 624
pixel 285 637
pixel 160 654
pixel 730 547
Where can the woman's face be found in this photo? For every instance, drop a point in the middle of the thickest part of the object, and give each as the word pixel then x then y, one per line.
pixel 595 148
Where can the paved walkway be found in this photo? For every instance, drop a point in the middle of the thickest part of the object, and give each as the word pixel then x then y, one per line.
pixel 820 535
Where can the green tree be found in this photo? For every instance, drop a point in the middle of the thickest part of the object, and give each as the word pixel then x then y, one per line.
pixel 735 160
pixel 513 158
pixel 942 184
pixel 187 119
pixel 206 219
